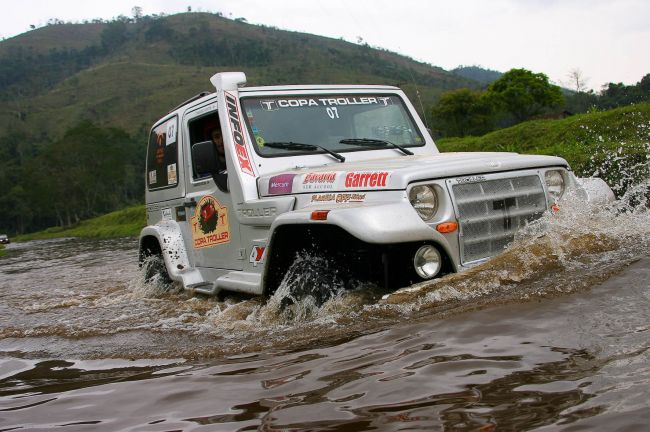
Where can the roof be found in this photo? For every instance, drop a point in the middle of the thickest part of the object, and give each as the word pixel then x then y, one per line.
pixel 312 87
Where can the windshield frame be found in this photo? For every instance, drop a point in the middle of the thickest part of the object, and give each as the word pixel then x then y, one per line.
pixel 403 104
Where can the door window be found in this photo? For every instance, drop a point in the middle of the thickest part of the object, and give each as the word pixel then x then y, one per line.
pixel 162 155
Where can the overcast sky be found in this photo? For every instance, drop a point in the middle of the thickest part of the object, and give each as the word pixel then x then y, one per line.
pixel 608 40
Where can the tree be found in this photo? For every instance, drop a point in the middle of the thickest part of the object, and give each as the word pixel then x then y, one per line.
pixel 577 80
pixel 524 94
pixel 136 11
pixel 463 112
pixel 114 35
pixel 615 95
pixel 90 171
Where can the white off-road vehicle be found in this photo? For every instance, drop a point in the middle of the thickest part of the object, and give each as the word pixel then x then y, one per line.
pixel 343 172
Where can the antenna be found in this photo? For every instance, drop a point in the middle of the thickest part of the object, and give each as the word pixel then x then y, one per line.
pixel 417 93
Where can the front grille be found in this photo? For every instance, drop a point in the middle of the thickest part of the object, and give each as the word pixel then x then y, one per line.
pixel 491 211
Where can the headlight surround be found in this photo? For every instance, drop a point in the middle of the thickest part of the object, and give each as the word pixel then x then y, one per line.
pixel 424 200
pixel 554 184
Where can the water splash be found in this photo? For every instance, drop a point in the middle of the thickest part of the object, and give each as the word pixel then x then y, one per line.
pixel 152 280
pixel 560 253
pixel 622 156
pixel 310 282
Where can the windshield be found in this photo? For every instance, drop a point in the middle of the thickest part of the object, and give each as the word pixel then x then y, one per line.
pixel 325 120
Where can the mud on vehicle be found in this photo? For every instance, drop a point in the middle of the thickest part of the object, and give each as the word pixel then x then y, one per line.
pixel 344 172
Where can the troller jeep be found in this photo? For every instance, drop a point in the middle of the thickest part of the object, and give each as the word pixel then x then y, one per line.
pixel 348 173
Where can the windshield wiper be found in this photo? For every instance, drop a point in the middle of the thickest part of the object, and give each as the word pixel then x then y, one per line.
pixel 369 142
pixel 288 145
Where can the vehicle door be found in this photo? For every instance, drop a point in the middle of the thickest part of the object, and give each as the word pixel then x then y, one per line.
pixel 216 241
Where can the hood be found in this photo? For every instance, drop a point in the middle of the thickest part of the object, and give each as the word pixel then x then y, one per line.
pixel 396 173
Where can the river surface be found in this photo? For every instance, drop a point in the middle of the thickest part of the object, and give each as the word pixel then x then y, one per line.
pixel 554 334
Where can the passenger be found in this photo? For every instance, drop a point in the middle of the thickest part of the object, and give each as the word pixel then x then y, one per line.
pixel 217 140
pixel 222 176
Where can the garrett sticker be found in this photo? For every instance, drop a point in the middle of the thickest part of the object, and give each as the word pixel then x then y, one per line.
pixel 210 223
pixel 366 179
pixel 152 177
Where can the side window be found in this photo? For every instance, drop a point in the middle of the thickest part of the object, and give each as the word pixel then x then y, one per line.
pixel 162 155
pixel 207 128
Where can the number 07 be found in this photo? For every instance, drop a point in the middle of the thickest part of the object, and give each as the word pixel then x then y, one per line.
pixel 333 112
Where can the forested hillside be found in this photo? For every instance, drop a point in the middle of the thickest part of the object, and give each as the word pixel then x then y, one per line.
pixel 477 73
pixel 77 100
pixel 127 72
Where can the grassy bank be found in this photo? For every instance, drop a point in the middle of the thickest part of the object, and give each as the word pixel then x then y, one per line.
pixel 612 144
pixel 122 223
pixel 2 250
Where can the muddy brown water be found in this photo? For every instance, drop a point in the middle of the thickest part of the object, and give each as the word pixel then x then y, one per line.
pixel 551 335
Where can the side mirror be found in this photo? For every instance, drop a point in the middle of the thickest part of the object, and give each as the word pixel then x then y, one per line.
pixel 204 158
pixel 205 162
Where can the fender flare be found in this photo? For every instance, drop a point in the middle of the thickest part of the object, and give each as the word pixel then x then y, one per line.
pixel 390 223
pixel 172 246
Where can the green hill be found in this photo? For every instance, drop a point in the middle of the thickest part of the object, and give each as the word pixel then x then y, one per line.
pixel 477 73
pixel 128 74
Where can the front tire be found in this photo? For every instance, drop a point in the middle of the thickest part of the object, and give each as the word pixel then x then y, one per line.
pixel 155 271
pixel 310 277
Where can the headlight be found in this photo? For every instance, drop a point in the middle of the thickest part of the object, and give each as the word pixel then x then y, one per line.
pixel 427 262
pixel 554 184
pixel 424 201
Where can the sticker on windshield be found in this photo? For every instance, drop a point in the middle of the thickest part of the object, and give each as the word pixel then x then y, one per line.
pixel 269 105
pixel 276 104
